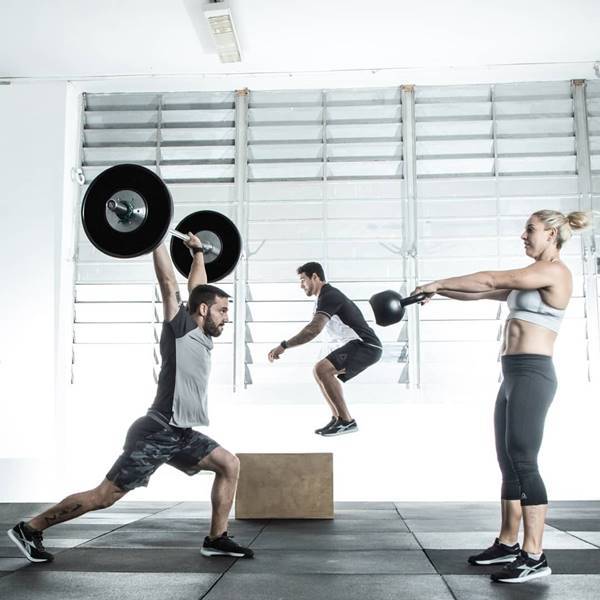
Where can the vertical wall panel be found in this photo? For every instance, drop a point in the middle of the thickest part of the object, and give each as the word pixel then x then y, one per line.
pixel 488 156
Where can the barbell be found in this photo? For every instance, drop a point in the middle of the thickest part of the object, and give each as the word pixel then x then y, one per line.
pixel 127 210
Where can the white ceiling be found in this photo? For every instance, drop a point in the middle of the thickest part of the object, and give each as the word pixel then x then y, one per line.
pixel 75 39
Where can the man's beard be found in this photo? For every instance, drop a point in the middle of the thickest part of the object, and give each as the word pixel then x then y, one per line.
pixel 211 328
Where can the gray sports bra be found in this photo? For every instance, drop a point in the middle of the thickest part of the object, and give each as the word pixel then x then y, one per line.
pixel 527 305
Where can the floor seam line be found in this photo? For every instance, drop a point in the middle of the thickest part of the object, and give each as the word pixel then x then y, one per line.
pixel 443 578
pixel 233 563
pixel 580 539
pixel 97 537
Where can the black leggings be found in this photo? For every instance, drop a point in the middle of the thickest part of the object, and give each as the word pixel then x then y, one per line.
pixel 527 390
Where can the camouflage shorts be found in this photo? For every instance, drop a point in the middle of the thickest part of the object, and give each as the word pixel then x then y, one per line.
pixel 150 444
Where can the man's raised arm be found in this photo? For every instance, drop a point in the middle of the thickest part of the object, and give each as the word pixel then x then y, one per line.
pixel 165 275
pixel 198 270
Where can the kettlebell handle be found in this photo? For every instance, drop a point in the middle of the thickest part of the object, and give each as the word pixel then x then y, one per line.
pixel 414 299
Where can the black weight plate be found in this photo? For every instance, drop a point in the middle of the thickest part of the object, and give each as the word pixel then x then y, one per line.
pixel 149 234
pixel 223 228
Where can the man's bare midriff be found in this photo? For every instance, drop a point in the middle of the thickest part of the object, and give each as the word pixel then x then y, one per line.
pixel 522 337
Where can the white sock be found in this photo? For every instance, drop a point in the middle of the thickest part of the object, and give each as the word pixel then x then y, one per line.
pixel 534 556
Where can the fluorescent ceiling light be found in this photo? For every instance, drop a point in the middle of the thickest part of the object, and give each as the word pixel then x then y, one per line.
pixel 220 23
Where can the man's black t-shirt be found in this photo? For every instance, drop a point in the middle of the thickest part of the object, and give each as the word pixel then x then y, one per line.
pixel 344 315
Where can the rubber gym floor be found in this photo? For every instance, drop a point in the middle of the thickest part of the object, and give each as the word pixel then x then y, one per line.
pixel 370 551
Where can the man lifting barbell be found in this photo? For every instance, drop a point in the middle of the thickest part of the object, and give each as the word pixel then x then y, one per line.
pixel 165 434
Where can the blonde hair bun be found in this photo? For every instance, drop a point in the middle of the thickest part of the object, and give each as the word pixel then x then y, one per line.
pixel 579 220
pixel 564 224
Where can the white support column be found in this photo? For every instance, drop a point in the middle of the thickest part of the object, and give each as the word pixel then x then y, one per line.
pixel 584 176
pixel 67 230
pixel 241 271
pixel 324 189
pixel 159 118
pixel 409 224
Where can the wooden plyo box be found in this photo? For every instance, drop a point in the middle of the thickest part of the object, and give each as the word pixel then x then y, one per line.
pixel 285 486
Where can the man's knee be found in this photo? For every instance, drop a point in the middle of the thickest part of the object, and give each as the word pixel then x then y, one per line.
pixel 102 500
pixel 323 369
pixel 230 466
pixel 316 374
pixel 234 466
pixel 105 495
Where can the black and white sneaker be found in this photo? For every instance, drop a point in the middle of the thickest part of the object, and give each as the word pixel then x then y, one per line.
pixel 340 428
pixel 496 553
pixel 224 546
pixel 30 543
pixel 522 569
pixel 333 421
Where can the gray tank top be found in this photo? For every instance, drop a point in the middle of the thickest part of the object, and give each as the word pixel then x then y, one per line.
pixel 527 305
pixel 181 394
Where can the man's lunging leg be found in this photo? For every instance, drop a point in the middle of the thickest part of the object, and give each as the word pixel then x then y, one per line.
pixel 226 468
pixel 28 536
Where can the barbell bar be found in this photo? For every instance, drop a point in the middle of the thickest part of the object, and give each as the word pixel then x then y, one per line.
pixel 127 213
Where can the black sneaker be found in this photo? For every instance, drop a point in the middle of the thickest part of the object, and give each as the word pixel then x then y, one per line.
pixel 333 421
pixel 340 428
pixel 30 543
pixel 496 553
pixel 224 546
pixel 522 569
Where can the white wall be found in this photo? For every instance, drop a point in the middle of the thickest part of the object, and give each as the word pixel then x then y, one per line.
pixel 32 158
pixel 433 39
pixel 429 445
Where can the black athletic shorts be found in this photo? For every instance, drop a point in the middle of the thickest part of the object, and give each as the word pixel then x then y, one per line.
pixel 354 357
pixel 150 444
